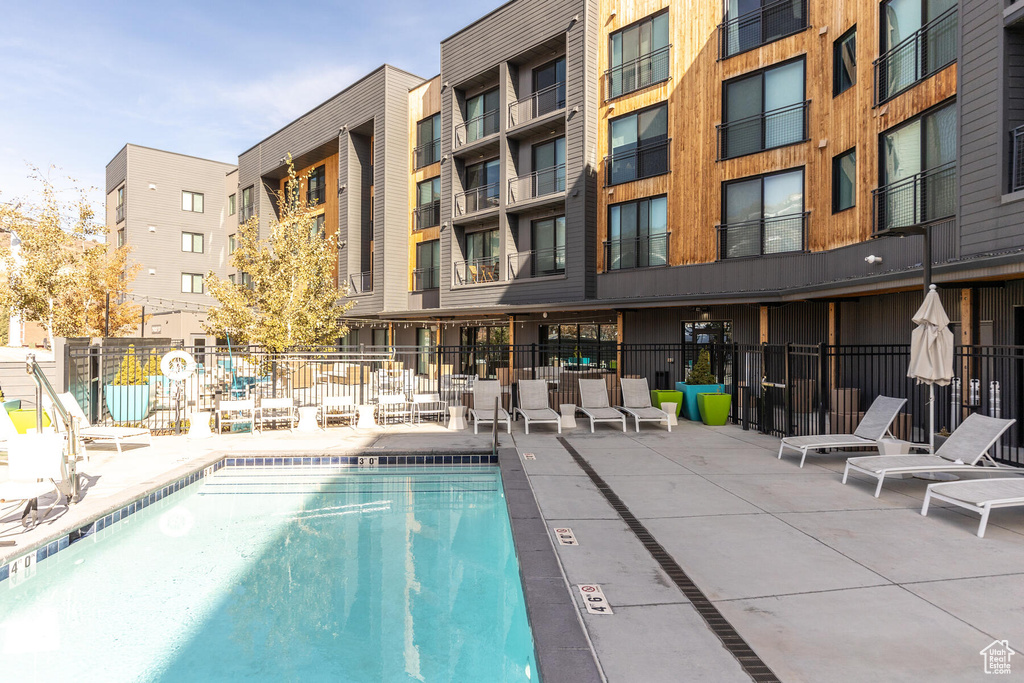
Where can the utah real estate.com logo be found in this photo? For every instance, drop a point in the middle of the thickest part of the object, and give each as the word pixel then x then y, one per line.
pixel 997 657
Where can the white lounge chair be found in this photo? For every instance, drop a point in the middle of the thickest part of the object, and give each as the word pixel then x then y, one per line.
pixel 428 404
pixel 980 495
pixel 963 450
pixel 873 426
pixel 101 434
pixel 393 406
pixel 533 404
pixel 35 464
pixel 486 394
pixel 240 411
pixel 337 406
pixel 636 402
pixel 594 397
pixel 275 410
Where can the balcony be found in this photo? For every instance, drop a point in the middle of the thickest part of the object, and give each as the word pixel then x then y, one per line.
pixel 476 200
pixel 770 235
pixel 119 211
pixel 476 129
pixel 764 25
pixel 929 50
pixel 360 283
pixel 427 216
pixel 1017 169
pixel 641 162
pixel 642 251
pixel 537 105
pixel 915 201
pixel 426 154
pixel 547 182
pixel 637 74
pixel 245 212
pixel 771 129
pixel 426 278
pixel 477 271
pixel 539 263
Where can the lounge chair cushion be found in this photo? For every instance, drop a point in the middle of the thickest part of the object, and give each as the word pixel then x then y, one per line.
pixel 981 491
pixel 539 414
pixel 880 415
pixel 603 413
pixel 648 413
pixel 878 463
pixel 828 441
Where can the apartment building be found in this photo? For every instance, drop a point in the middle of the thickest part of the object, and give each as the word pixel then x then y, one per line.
pixel 174 211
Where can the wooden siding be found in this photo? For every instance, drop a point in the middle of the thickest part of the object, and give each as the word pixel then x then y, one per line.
pixel 329 208
pixel 424 101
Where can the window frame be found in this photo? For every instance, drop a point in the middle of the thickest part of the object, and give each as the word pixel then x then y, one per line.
pixel 318 174
pixel 192 195
pixel 836 163
pixel 608 96
pixel 610 159
pixel 837 46
pixel 192 284
pixel 232 209
pixel 668 231
pixel 192 236
pixel 761 177
pixel 232 243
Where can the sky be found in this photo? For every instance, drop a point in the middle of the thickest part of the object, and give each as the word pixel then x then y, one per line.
pixel 79 79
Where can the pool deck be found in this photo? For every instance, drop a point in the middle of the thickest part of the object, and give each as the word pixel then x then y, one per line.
pixel 822 580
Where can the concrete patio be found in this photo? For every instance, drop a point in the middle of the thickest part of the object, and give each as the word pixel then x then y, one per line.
pixel 822 580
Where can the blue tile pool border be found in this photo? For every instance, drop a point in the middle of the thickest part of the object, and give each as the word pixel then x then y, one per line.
pixel 54 546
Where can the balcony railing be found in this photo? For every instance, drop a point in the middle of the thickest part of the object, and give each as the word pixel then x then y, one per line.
pixel 316 196
pixel 776 128
pixel 427 216
pixel 916 201
pixel 642 251
pixel 546 181
pixel 1017 170
pixel 761 26
pixel 535 105
pixel 360 283
pixel 641 162
pixel 475 129
pixel 477 199
pixel 245 212
pixel 773 235
pixel 638 73
pixel 538 263
pixel 120 213
pixel 928 50
pixel 476 271
pixel 426 278
pixel 426 154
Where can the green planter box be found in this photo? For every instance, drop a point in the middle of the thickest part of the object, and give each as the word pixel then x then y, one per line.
pixel 127 403
pixel 668 396
pixel 690 391
pixel 714 408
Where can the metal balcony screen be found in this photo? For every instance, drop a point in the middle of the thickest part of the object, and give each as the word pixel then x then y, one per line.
pixel 916 57
pixel 752 23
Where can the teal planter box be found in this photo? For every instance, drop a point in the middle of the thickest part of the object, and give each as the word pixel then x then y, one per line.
pixel 690 391
pixel 668 396
pixel 127 403
pixel 714 408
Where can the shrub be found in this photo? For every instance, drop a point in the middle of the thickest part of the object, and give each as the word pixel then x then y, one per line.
pixel 130 373
pixel 700 373
pixel 152 368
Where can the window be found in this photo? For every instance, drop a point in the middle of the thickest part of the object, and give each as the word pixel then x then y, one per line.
pixel 427 344
pixel 637 234
pixel 246 280
pixel 231 204
pixel 752 23
pixel 763 215
pixel 192 241
pixel 919 37
pixel 491 352
pixel 482 251
pixel 549 87
pixel 844 62
pixel 703 335
pixel 481 116
pixel 232 244
pixel 247 204
pixel 428 203
pixel 548 167
pixel 122 238
pixel 428 141
pixel 639 56
pixel 763 110
pixel 192 283
pixel 844 181
pixel 548 242
pixel 481 188
pixel 639 146
pixel 231 278
pixel 119 207
pixel 319 227
pixel 316 186
pixel 192 201
pixel 428 266
pixel 583 346
pixel 379 336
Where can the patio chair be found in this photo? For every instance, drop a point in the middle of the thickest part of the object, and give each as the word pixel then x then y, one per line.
pixel 35 464
pixel 963 450
pixel 275 410
pixel 428 404
pixel 101 434
pixel 236 412
pixel 338 406
pixel 393 406
pixel 486 394
pixel 636 400
pixel 595 405
pixel 979 495
pixel 873 426
pixel 533 404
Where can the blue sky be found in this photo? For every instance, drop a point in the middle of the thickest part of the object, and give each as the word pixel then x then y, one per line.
pixel 80 79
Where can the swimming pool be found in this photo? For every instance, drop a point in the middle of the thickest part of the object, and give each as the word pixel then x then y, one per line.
pixel 284 574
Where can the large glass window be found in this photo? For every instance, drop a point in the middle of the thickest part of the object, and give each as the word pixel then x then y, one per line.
pixel 549 87
pixel 481 186
pixel 639 56
pixel 428 203
pixel 485 350
pixel 763 215
pixel 844 62
pixel 752 23
pixel 428 141
pixel 582 346
pixel 316 187
pixel 548 241
pixel 549 167
pixel 764 110
pixel 918 38
pixel 637 234
pixel 639 145
pixel 844 181
pixel 247 204
pixel 428 265
pixel 481 115
pixel 426 341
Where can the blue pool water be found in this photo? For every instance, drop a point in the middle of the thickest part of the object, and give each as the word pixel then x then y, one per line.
pixel 284 574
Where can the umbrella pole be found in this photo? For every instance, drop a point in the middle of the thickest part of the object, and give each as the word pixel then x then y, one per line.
pixel 931 419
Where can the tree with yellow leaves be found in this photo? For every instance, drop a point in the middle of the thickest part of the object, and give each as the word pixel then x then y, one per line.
pixel 289 297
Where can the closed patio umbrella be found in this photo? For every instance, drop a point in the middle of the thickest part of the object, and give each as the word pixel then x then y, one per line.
pixel 931 352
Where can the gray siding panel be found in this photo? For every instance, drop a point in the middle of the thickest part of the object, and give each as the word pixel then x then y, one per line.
pixel 117 170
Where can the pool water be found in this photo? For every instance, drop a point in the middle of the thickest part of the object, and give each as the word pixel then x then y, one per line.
pixel 284 574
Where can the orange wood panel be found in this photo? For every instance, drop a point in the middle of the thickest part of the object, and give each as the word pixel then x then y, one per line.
pixel 424 100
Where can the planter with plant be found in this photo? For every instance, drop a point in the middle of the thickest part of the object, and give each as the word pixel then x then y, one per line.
pixel 714 408
pixel 127 396
pixel 698 381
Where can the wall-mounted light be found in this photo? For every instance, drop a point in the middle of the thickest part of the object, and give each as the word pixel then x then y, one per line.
pixel 152 228
pixel 872 260
pixel 341 188
pixel 444 158
pixel 342 129
pixel 612 13
pixel 152 186
pixel 152 271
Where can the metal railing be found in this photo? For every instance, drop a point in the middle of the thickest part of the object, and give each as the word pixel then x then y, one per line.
pixel 641 162
pixel 638 73
pixel 1017 167
pixel 119 211
pixel 69 425
pixel 920 199
pixel 643 251
pixel 316 196
pixel 768 130
pixel 477 128
pixel 761 26
pixel 546 181
pixel 426 154
pixel 427 216
pixel 543 102
pixel 360 283
pixel 477 199
pixel 928 50
pixel 537 263
pixel 426 278
pixel 245 212
pixel 476 271
pixel 774 235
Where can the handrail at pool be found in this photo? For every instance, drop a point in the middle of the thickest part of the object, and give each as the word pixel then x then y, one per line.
pixel 494 428
pixel 69 484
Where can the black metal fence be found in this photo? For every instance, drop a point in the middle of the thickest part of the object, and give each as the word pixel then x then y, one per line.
pixel 767 130
pixel 1017 165
pixel 769 22
pixel 927 51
